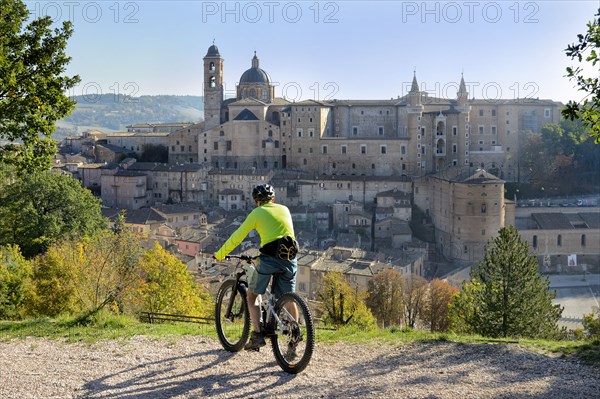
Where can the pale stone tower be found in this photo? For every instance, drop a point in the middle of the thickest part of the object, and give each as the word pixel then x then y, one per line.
pixel 213 87
pixel 462 96
pixel 415 113
pixel 462 105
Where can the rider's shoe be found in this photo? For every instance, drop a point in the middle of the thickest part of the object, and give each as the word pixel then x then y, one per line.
pixel 256 341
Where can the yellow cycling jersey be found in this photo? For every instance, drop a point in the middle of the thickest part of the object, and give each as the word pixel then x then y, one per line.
pixel 271 221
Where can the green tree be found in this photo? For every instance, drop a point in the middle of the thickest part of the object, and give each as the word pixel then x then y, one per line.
pixel 591 323
pixel 588 109
pixel 43 207
pixel 506 296
pixel 32 86
pixel 15 282
pixel 384 298
pixel 341 304
pixel 165 286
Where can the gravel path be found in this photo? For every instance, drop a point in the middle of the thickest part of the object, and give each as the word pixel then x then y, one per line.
pixel 197 367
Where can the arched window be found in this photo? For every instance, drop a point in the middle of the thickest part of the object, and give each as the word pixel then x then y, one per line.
pixel 252 93
pixel 212 81
pixel 583 240
pixel 211 67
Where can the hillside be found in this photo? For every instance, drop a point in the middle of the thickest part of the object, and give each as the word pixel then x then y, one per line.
pixel 110 112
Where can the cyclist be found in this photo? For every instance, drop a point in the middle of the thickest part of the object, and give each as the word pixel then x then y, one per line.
pixel 273 223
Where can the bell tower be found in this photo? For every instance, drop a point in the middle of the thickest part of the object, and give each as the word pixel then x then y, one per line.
pixel 213 87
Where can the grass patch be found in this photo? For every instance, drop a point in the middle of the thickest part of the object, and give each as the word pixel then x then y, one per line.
pixel 102 326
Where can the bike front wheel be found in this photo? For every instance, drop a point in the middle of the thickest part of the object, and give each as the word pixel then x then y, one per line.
pixel 231 316
pixel 294 341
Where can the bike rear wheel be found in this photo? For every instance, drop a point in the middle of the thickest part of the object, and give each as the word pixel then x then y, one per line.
pixel 294 345
pixel 233 328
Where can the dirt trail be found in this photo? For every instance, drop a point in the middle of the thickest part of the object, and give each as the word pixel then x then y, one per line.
pixel 197 367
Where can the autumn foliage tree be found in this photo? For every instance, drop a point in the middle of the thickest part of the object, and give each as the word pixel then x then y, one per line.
pixel 341 304
pixel 415 295
pixel 435 314
pixel 83 276
pixel 165 286
pixel 385 299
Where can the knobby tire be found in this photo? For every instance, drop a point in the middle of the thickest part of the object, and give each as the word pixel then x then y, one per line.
pixel 233 332
pixel 305 346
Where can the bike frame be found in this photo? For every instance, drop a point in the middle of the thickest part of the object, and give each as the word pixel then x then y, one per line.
pixel 266 304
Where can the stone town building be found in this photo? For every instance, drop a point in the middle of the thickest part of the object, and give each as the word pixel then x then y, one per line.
pixel 467 208
pixel 555 234
pixel 174 182
pixel 124 189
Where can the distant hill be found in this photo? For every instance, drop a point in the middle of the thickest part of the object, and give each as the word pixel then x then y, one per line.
pixel 109 112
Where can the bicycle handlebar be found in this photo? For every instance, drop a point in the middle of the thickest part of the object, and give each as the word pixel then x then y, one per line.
pixel 246 258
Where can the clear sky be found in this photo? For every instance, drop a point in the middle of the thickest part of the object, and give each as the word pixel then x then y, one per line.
pixel 326 49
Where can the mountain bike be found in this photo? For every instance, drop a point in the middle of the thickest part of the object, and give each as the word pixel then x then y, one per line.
pixel 292 338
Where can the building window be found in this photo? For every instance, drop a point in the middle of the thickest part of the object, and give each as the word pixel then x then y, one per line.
pixel 454 130
pixel 454 148
pixel 324 148
pixel 483 208
pixel 354 130
pixel 380 130
pixel 216 145
pixel 481 130
pixel 494 129
pixel 299 133
pixel 480 112
pixel 547 113
pixel 383 149
pixel 344 149
pixel 493 112
pixel 583 240
pixel 402 150
pixel 534 242
pixel 559 240
pixel 363 149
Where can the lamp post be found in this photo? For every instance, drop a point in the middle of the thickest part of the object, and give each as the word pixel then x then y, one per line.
pixel 543 196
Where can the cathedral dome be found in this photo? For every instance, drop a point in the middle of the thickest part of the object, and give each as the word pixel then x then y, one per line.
pixel 213 51
pixel 255 74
